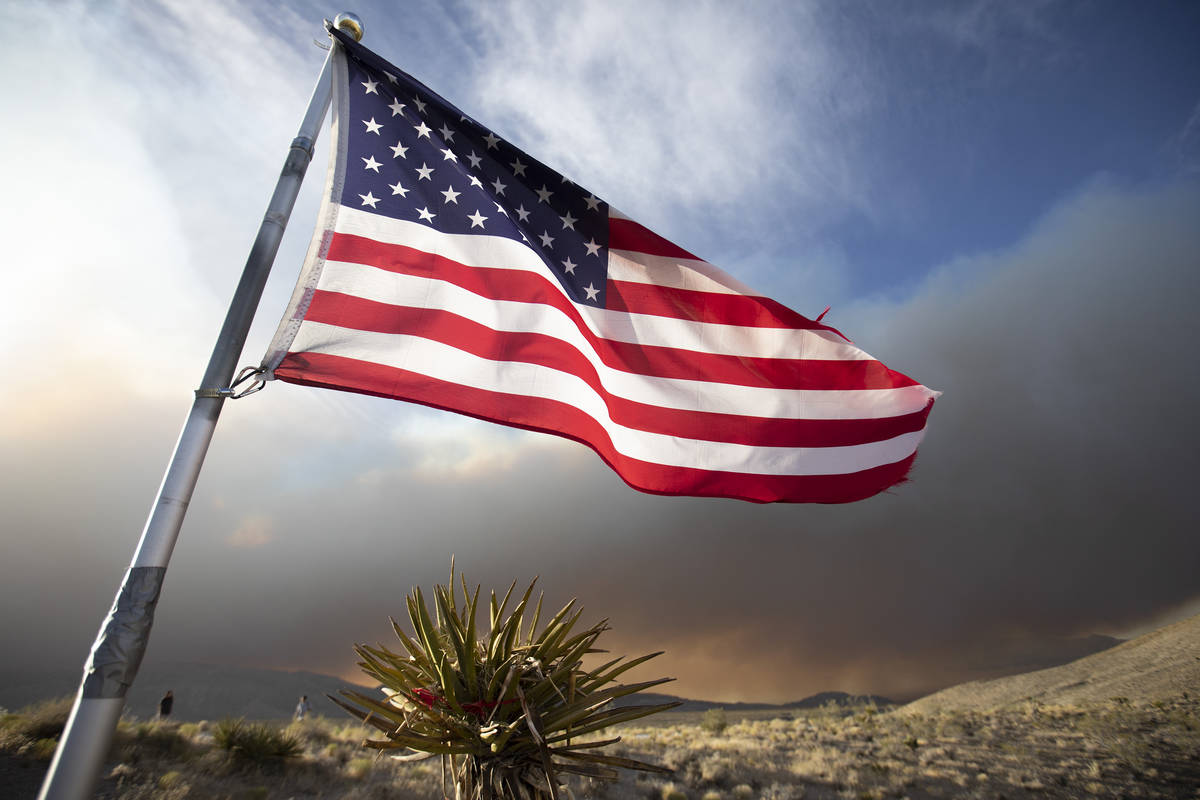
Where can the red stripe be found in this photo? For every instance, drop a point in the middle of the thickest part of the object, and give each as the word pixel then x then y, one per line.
pixel 457 331
pixel 663 362
pixel 625 234
pixel 766 373
pixel 715 307
pixel 551 416
pixel 728 309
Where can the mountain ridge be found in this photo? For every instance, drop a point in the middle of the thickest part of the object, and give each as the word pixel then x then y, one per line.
pixel 211 691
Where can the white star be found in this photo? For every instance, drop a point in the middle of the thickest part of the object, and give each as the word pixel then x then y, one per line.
pixel 390 77
pixel 399 151
pixel 568 221
pixel 423 130
pixel 492 140
pixel 419 104
pixel 522 213
pixel 592 291
pixel 447 134
pixel 370 84
pixel 372 126
pixel 451 195
pixel 474 159
pixel 593 202
pixel 565 179
pixel 475 182
pixel 544 194
pixel 396 107
pixel 593 249
pixel 398 189
pixel 425 214
pixel 371 164
pixel 476 219
pixel 517 167
pixel 569 266
pixel 500 208
pixel 369 199
pixel 448 155
pixel 425 171
pixel 547 239
pixel 498 187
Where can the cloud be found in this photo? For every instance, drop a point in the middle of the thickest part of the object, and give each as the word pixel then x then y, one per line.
pixel 1052 495
pixel 1184 146
pixel 254 532
pixel 653 109
pixel 1051 498
pixel 133 225
pixel 990 25
pixel 448 447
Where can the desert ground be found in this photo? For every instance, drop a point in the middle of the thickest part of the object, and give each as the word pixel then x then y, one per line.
pixel 1121 723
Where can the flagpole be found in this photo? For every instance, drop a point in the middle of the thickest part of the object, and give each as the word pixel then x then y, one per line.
pixel 117 653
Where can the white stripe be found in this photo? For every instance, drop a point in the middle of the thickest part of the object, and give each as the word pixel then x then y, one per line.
pixel 444 363
pixel 472 249
pixel 399 289
pixel 499 252
pixel 674 273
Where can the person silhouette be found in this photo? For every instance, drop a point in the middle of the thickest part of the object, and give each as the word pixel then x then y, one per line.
pixel 165 705
pixel 302 708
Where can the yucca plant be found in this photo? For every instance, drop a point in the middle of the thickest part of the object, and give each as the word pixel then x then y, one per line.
pixel 505 710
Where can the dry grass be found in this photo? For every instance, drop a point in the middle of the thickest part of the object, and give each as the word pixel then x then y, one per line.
pixel 1117 748
pixel 1114 749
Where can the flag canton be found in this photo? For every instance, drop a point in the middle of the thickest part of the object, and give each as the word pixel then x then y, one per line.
pixel 413 156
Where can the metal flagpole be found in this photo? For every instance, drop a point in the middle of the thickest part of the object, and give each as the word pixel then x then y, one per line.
pixel 121 643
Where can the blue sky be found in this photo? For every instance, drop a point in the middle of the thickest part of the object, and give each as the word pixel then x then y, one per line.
pixel 998 199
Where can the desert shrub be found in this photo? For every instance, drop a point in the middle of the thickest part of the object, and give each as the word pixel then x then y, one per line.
pixel 170 780
pixel 1183 719
pixel 44 720
pixel 154 738
pixel 314 733
pixel 672 792
pixel 42 749
pixel 359 767
pixel 714 721
pixel 506 706
pixel 190 730
pixel 255 742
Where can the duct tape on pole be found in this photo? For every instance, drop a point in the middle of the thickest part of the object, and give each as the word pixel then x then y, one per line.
pixel 117 653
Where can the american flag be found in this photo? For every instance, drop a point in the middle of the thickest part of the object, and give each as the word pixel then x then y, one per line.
pixel 450 268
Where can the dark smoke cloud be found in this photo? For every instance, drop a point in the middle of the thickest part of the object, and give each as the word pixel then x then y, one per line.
pixel 1052 497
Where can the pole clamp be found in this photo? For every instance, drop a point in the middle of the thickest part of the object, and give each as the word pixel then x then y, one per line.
pixel 232 393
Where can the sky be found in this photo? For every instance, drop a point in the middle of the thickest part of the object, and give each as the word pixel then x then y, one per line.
pixel 999 199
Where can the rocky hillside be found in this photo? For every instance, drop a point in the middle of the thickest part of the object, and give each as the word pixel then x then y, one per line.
pixel 1160 665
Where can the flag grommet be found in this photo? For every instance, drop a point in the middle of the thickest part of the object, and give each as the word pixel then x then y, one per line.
pixel 232 392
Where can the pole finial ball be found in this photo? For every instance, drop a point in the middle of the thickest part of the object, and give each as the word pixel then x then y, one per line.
pixel 350 23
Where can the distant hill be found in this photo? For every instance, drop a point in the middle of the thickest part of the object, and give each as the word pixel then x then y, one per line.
pixel 815 701
pixel 1161 664
pixel 205 691
pixel 202 691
